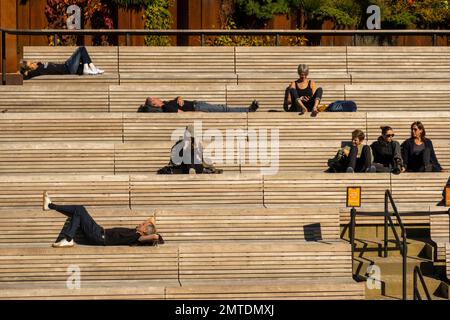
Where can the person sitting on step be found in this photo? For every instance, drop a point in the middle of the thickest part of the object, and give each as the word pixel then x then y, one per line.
pixel 180 105
pixel 354 158
pixel 302 94
pixel 143 234
pixel 418 151
pixel 79 63
pixel 387 152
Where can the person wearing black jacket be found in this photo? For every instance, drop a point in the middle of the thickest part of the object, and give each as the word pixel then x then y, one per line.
pixel 418 152
pixel 144 233
pixel 386 152
pixel 79 63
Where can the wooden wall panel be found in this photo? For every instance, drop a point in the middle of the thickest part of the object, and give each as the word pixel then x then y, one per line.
pixel 8 20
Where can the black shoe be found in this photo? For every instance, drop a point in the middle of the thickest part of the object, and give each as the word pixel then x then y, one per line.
pixel 160 239
pixel 254 106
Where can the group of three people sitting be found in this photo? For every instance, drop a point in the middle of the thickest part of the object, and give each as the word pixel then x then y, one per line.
pixel 415 154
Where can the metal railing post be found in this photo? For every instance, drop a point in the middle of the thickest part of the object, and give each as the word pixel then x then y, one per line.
pixel 55 39
pixel 352 233
pixel 405 267
pixel 3 57
pixel 434 39
pixel 202 39
pixel 127 39
pixel 277 39
pixel 416 295
pixel 386 212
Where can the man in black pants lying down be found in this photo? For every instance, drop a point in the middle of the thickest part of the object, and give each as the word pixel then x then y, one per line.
pixel 143 234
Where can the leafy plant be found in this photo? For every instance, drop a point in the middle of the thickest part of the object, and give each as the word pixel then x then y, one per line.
pixel 262 9
pixel 93 10
pixel 157 17
pixel 130 3
pixel 342 12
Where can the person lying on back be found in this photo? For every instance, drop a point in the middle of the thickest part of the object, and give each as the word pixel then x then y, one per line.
pixel 180 105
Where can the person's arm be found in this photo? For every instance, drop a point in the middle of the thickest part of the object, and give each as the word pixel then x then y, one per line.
pixel 405 153
pixel 434 160
pixel 313 87
pixel 148 239
pixel 31 74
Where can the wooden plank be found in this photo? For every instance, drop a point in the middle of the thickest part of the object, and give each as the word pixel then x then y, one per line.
pixel 322 189
pixel 140 60
pixel 390 97
pixel 390 60
pixel 418 188
pixel 186 78
pixel 279 289
pixel 54 98
pixel 285 77
pixel 164 127
pixel 248 224
pixel 196 190
pixel 287 59
pixel 56 158
pixel 15 127
pixel 268 261
pixel 291 126
pixel 26 191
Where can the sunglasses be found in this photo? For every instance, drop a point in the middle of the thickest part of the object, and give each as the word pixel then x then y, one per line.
pixel 390 135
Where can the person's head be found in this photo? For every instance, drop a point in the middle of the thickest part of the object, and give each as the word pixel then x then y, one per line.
pixel 154 102
pixel 147 227
pixel 303 71
pixel 357 137
pixel 417 130
pixel 27 66
pixel 387 133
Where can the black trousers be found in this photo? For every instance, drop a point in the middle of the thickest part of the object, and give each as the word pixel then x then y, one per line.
pixel 361 164
pixel 421 162
pixel 80 219
pixel 295 106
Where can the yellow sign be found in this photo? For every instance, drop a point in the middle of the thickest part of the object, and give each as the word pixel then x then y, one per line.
pixel 353 196
pixel 447 196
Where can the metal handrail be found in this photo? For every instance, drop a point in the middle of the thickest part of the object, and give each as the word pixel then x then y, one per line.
pixel 416 294
pixel 402 245
pixel 205 32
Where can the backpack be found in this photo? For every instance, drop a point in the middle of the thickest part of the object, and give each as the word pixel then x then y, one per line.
pixel 342 106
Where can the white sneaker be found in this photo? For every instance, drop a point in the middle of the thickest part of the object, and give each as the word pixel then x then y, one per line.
pixel 99 71
pixel 63 244
pixel 88 71
pixel 95 69
pixel 45 201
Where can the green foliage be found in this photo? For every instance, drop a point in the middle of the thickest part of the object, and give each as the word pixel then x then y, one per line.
pixel 247 41
pixel 262 9
pixel 342 12
pixel 131 3
pixel 242 41
pixel 157 17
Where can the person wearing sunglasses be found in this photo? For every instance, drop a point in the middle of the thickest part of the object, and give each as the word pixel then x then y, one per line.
pixel 418 152
pixel 386 152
